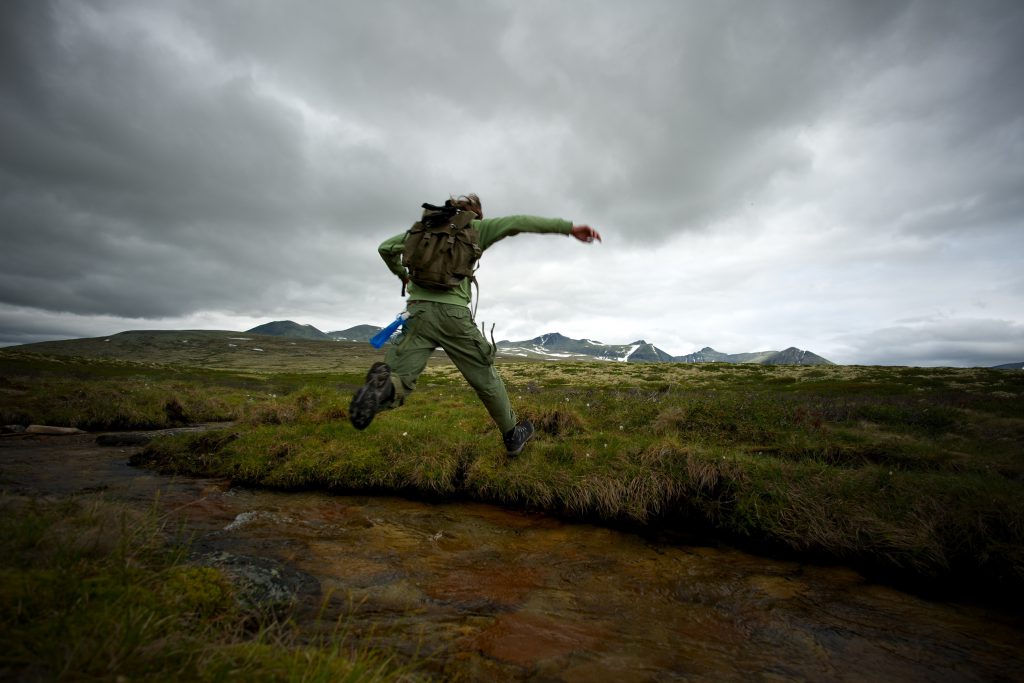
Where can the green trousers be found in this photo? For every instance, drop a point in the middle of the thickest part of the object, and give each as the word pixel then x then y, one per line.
pixel 451 327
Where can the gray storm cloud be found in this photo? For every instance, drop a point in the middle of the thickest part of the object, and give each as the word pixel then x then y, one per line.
pixel 169 161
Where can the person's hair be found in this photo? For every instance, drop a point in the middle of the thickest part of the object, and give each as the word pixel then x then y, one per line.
pixel 468 202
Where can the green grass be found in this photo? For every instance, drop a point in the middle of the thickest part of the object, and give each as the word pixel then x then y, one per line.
pixel 97 394
pixel 90 590
pixel 909 470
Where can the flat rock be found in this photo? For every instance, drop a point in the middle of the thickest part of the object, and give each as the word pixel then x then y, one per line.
pixel 263 584
pixel 47 429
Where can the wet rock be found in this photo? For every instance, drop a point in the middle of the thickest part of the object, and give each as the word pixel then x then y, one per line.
pixel 53 431
pixel 486 587
pixel 525 639
pixel 12 429
pixel 263 584
pixel 256 516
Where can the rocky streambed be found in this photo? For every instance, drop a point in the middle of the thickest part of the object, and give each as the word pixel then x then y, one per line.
pixel 484 593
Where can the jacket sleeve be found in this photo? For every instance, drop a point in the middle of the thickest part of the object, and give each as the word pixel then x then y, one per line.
pixel 494 229
pixel 391 251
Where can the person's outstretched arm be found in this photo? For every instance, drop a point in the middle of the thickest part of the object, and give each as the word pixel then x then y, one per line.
pixel 494 229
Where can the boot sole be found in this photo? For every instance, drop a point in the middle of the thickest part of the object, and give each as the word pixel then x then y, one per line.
pixel 363 408
pixel 366 402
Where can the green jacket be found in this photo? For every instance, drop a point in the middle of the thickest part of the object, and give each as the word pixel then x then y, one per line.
pixel 491 230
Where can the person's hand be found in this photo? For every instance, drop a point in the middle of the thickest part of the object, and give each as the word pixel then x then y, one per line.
pixel 585 233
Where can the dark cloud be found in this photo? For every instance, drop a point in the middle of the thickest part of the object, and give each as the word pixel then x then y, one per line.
pixel 137 187
pixel 162 161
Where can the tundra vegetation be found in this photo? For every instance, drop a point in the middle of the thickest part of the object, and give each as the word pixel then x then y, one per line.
pixel 912 473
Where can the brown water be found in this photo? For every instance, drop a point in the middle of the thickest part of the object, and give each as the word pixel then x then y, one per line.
pixel 477 592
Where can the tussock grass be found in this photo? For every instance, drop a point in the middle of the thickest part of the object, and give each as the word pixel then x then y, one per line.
pixel 106 395
pixel 307 405
pixel 109 395
pixel 556 422
pixel 93 591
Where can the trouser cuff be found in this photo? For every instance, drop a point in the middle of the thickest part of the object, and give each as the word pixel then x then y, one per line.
pixel 397 393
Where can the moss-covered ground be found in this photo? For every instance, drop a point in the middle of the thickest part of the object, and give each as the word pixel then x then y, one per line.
pixel 917 472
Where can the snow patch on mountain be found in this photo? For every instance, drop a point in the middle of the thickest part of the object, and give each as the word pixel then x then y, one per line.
pixel 632 350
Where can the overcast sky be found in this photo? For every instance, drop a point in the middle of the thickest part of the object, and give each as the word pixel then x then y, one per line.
pixel 845 177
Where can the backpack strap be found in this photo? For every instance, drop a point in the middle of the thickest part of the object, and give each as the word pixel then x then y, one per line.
pixel 476 299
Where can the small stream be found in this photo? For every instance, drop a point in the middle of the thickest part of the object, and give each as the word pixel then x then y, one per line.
pixel 477 592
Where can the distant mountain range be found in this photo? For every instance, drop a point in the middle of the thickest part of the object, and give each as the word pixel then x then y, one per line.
pixel 555 346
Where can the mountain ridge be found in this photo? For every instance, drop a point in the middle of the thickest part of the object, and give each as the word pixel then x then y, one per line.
pixel 290 329
pixel 359 333
pixel 550 346
pixel 554 345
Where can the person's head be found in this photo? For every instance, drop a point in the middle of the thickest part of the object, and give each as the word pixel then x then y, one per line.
pixel 468 202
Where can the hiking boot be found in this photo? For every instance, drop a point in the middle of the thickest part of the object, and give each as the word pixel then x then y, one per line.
pixel 516 438
pixel 372 397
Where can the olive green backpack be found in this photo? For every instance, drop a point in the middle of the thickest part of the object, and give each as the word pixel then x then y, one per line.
pixel 442 248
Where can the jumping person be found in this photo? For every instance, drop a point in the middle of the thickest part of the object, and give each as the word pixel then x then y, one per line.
pixel 440 317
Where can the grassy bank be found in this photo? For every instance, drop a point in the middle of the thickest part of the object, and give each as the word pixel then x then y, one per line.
pixel 98 394
pixel 90 590
pixel 908 470
pixel 913 471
